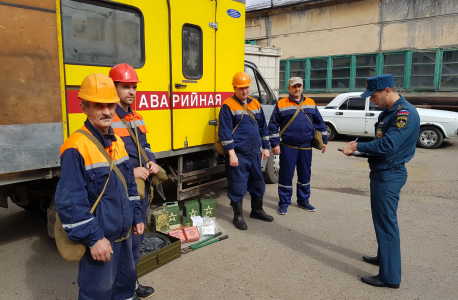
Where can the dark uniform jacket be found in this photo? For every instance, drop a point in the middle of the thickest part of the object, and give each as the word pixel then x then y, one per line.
pixel 300 132
pixel 250 135
pixel 84 173
pixel 396 134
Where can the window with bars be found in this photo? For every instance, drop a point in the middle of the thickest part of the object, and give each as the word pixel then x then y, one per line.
pixel 365 68
pixel 449 73
pixel 297 69
pixel 422 70
pixel 395 64
pixel 282 75
pixel 318 73
pixel 341 73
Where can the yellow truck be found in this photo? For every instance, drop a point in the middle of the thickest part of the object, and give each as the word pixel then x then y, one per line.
pixel 185 53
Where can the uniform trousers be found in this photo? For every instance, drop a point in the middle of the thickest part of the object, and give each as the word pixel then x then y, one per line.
pixel 246 176
pixel 112 280
pixel 290 158
pixel 385 189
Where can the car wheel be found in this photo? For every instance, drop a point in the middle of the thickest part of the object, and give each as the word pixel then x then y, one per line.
pixel 272 168
pixel 331 131
pixel 430 137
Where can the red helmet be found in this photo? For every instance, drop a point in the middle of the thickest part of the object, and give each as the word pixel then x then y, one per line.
pixel 123 73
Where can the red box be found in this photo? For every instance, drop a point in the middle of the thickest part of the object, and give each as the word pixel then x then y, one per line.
pixel 191 234
pixel 178 233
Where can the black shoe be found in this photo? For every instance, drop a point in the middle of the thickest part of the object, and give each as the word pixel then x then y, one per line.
pixel 144 291
pixel 372 260
pixel 373 280
pixel 238 215
pixel 135 297
pixel 256 210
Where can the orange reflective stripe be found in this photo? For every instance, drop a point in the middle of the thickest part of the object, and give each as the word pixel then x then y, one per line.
pixel 119 128
pixel 286 102
pixel 235 106
pixel 122 132
pixel 93 158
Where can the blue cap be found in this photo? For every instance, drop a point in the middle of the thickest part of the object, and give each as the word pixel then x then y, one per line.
pixel 377 83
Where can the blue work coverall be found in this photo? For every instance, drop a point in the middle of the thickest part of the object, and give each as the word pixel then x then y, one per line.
pixel 396 134
pixel 295 147
pixel 84 173
pixel 246 141
pixel 132 150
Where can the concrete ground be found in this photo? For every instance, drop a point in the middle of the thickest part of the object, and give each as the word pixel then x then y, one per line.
pixel 301 255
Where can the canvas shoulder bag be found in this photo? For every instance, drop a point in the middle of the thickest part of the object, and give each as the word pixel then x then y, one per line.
pixel 317 141
pixel 218 145
pixel 140 182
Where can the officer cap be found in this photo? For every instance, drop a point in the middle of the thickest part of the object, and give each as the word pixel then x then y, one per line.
pixel 377 83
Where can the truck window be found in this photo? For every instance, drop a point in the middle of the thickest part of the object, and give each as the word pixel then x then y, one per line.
pixel 258 87
pixel 102 34
pixel 192 52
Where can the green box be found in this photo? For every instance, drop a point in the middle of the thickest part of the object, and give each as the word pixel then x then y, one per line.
pixel 156 259
pixel 208 208
pixel 190 209
pixel 174 214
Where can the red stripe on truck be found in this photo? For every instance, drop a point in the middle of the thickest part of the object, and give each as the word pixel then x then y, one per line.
pixel 161 100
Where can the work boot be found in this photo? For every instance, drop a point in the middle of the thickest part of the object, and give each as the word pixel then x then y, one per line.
pixel 256 210
pixel 143 291
pixel 238 215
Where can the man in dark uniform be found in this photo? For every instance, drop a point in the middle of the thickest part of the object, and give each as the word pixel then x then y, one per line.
pixel 125 79
pixel 396 134
pixel 293 143
pixel 242 131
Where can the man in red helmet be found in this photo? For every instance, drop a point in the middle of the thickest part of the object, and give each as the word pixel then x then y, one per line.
pixel 242 131
pixel 129 125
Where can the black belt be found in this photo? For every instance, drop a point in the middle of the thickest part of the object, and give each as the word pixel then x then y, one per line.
pixel 397 167
pixel 309 148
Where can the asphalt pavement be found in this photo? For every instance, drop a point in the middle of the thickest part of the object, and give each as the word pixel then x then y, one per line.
pixel 302 255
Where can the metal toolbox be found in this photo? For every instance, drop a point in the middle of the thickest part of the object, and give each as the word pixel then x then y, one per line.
pixel 156 259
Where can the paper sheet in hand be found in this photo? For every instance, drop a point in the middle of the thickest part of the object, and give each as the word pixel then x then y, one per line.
pixel 364 155
pixel 354 153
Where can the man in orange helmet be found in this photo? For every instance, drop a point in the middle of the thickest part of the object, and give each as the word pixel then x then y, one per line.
pixel 129 125
pixel 242 131
pixel 95 165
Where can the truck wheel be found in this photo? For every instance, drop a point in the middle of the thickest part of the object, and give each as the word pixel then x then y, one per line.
pixel 331 131
pixel 272 168
pixel 430 137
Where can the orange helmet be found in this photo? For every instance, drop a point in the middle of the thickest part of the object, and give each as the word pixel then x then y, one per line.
pixel 123 73
pixel 241 79
pixel 98 88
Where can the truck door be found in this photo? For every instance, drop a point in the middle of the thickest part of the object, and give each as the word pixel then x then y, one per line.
pixel 350 116
pixel 193 72
pixel 260 91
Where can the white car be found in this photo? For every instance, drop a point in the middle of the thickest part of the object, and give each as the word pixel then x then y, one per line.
pixel 350 114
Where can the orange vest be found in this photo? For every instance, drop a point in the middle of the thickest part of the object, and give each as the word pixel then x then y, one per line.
pixel 121 130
